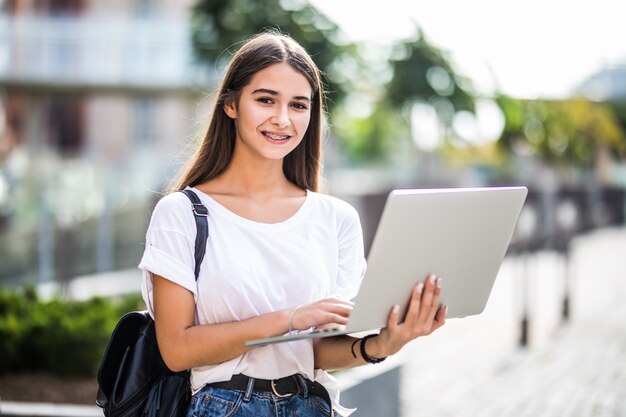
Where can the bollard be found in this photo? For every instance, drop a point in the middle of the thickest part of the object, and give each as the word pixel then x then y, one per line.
pixel 525 232
pixel 565 311
pixel 525 320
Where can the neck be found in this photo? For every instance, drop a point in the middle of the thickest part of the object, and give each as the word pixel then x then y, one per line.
pixel 255 177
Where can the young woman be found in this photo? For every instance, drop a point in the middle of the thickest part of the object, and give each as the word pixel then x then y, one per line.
pixel 280 257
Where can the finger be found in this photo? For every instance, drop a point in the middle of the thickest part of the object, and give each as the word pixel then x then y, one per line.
pixel 334 318
pixel 392 320
pixel 332 325
pixel 440 319
pixel 337 300
pixel 326 320
pixel 427 298
pixel 441 314
pixel 343 310
pixel 435 303
pixel 341 297
pixel 414 304
pixel 436 315
pixel 319 313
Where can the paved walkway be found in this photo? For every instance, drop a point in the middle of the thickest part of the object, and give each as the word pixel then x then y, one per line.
pixel 474 368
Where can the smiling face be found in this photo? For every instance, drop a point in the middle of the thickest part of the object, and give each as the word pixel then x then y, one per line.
pixel 272 112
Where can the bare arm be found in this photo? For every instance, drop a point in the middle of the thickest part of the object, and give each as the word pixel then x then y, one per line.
pixel 332 353
pixel 423 317
pixel 184 345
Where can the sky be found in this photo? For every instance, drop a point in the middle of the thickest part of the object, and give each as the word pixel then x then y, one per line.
pixel 530 49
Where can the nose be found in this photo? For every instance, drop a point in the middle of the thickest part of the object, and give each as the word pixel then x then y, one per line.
pixel 281 117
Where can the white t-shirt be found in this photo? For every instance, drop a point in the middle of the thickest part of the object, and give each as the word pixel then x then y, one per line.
pixel 253 268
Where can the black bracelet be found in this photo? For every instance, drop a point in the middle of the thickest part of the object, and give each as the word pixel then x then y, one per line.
pixel 365 356
pixel 352 348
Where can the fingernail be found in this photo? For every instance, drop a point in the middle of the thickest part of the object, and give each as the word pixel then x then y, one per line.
pixel 396 308
pixel 445 311
pixel 420 287
pixel 439 281
pixel 433 278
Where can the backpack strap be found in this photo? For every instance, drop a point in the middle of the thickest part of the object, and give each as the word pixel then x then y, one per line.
pixel 201 214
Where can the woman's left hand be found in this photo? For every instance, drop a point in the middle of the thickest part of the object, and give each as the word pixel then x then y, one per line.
pixel 423 317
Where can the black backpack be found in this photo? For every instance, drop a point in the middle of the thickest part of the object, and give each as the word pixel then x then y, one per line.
pixel 133 379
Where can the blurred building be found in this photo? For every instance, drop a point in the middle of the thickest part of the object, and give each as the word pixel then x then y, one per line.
pixel 99 101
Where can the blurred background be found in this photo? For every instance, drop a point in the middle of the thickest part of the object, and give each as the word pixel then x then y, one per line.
pixel 101 103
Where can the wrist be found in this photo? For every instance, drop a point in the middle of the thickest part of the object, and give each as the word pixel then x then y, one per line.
pixel 283 319
pixel 368 356
pixel 375 348
pixel 290 324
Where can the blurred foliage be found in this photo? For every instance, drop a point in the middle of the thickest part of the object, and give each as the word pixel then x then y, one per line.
pixel 619 109
pixel 562 132
pixel 61 337
pixel 219 26
pixel 414 71
pixel 422 72
pixel 489 155
pixel 418 72
pixel 369 138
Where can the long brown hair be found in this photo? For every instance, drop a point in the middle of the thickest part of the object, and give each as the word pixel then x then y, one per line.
pixel 302 165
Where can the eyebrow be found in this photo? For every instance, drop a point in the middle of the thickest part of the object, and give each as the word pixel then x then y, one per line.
pixel 275 93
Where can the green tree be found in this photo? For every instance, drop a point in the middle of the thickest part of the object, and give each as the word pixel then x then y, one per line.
pixel 369 138
pixel 422 72
pixel 568 131
pixel 220 27
pixel 619 109
pixel 414 71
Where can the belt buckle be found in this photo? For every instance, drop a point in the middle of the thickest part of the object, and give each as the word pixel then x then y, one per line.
pixel 276 393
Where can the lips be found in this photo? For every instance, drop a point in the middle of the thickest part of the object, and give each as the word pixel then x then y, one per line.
pixel 276 137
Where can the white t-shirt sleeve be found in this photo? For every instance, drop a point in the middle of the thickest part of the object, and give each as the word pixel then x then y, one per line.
pixel 352 265
pixel 170 246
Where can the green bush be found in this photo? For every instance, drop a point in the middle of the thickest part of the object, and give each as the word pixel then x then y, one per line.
pixel 58 336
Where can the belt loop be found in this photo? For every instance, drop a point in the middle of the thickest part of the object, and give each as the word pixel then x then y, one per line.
pixel 302 382
pixel 249 389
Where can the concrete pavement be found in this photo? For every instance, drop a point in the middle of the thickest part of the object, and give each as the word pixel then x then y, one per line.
pixel 474 367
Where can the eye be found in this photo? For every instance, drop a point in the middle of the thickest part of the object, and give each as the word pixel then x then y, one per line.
pixel 265 100
pixel 300 106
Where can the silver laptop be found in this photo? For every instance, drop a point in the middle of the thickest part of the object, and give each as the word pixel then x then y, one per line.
pixel 459 234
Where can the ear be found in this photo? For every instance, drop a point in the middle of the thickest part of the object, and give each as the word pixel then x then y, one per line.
pixel 230 109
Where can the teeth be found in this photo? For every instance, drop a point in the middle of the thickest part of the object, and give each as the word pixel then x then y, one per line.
pixel 276 137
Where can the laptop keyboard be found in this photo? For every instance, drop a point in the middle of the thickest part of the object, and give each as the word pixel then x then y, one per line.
pixel 329 329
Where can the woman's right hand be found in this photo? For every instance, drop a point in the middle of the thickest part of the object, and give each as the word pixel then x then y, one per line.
pixel 327 312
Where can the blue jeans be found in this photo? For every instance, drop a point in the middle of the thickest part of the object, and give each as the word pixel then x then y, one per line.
pixel 217 402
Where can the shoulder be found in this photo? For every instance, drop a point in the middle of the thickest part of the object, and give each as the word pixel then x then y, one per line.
pixel 172 211
pixel 172 202
pixel 332 203
pixel 347 224
pixel 327 205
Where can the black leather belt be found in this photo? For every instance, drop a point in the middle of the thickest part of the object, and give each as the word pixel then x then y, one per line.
pixel 282 387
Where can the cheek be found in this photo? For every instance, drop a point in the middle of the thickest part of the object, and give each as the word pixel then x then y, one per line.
pixel 253 116
pixel 303 123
